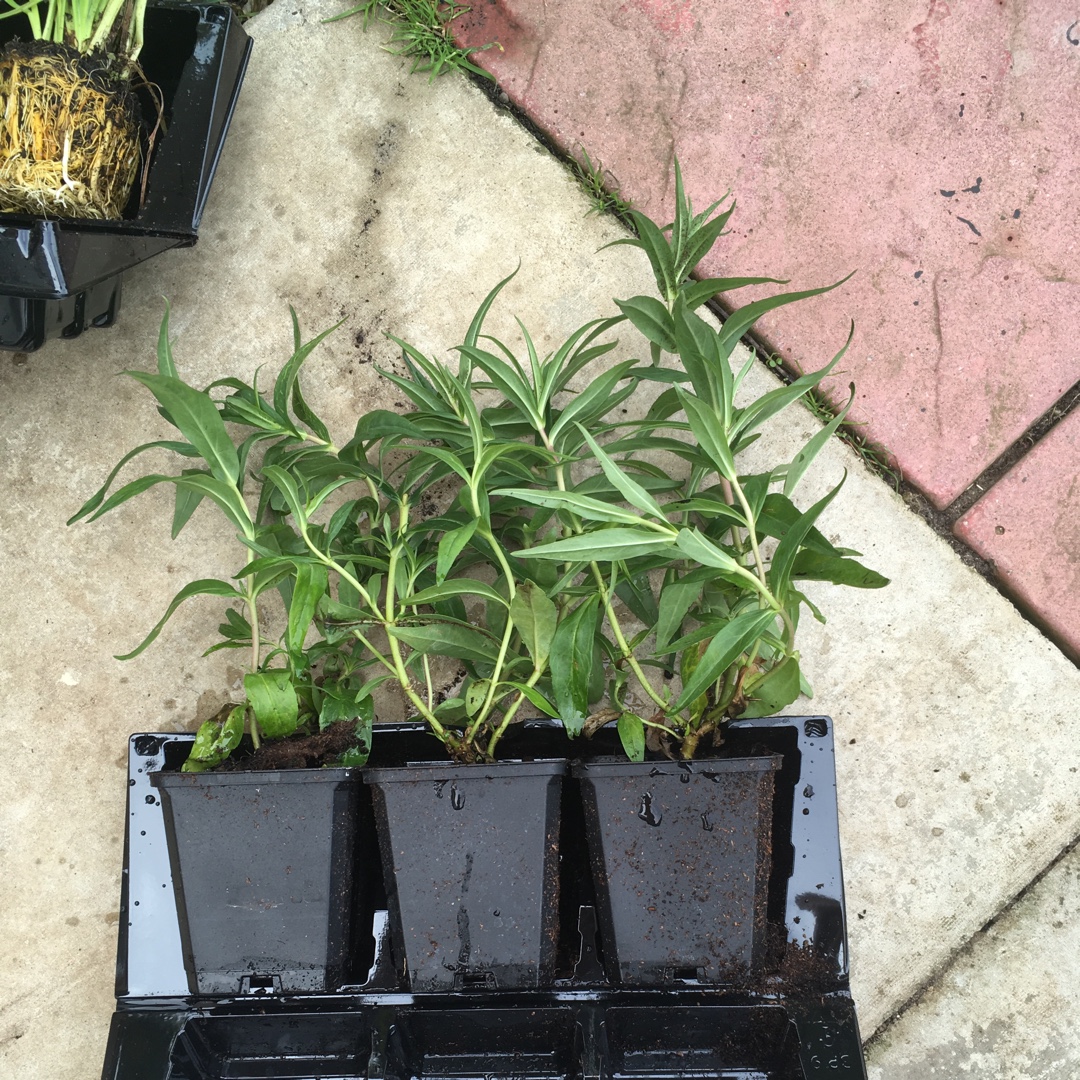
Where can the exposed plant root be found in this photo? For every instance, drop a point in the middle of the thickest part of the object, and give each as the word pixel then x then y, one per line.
pixel 69 136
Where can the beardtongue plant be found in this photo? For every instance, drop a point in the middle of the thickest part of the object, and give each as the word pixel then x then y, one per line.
pixel 567 562
pixel 300 682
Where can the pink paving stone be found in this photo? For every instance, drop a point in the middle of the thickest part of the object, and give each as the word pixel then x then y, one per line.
pixel 930 146
pixel 1028 525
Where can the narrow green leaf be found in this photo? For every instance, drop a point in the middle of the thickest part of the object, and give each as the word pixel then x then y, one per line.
pixel 676 599
pixel 286 379
pixel 309 588
pixel 476 695
pixel 197 417
pixel 582 505
pixel 631 730
pixel 535 698
pixel 454 587
pixel 801 461
pixel 448 639
pixel 228 499
pixel 699 245
pixel 510 383
pixel 739 321
pixel 779 513
pixel 784 557
pixel 572 657
pixel 768 405
pixel 473 334
pixel 695 293
pixel 166 366
pixel 204 586
pixel 187 502
pixel 696 546
pixel 653 242
pixel 535 617
pixel 630 490
pixel 601 545
pixel 287 486
pixel 95 500
pixel 812 566
pixel 636 593
pixel 596 400
pixel 273 701
pixel 724 649
pixel 651 318
pixel 451 546
pixel 709 432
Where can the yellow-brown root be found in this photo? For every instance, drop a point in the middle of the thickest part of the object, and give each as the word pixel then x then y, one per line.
pixel 69 138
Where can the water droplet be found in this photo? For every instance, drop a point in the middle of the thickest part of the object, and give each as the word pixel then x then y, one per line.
pixel 706 824
pixel 142 832
pixel 654 771
pixel 131 782
pixel 439 785
pixel 646 811
pixel 496 913
pixel 457 798
pixel 149 800
pixel 686 770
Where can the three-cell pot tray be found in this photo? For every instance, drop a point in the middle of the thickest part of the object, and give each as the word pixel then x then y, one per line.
pixel 768 999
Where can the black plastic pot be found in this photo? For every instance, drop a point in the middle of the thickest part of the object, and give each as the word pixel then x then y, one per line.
pixel 471 865
pixel 59 277
pixel 680 854
pixel 265 873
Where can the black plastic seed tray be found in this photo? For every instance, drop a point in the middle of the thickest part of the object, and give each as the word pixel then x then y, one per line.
pixel 795 1021
pixel 58 278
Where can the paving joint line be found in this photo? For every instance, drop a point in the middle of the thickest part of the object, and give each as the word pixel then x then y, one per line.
pixel 968 947
pixel 1027 442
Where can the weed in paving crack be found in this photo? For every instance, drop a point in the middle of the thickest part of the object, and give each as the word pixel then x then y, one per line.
pixel 420 31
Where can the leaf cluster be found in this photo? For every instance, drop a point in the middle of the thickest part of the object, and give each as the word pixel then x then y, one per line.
pixel 115 26
pixel 569 560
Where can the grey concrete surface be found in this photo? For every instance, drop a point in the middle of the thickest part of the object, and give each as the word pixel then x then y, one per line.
pixel 352 191
pixel 1007 1008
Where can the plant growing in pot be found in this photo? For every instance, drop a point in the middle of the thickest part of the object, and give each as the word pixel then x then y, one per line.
pixel 263 858
pixel 643 549
pixel 561 562
pixel 70 140
pixel 115 118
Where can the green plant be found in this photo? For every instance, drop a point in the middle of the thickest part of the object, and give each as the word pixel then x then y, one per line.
pixel 567 559
pixel 603 195
pixel 294 683
pixel 420 30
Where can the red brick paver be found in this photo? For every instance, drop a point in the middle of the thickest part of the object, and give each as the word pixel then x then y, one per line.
pixel 930 146
pixel 1029 526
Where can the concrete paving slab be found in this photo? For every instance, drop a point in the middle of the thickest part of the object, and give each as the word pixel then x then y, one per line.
pixel 926 145
pixel 952 711
pixel 1007 1007
pixel 1028 526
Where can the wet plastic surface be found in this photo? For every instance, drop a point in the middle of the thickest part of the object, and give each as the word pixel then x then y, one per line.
pixel 680 857
pixel 266 876
pixel 58 278
pixel 795 1021
pixel 473 893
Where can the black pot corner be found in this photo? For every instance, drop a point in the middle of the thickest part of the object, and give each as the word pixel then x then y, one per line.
pixel 59 278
